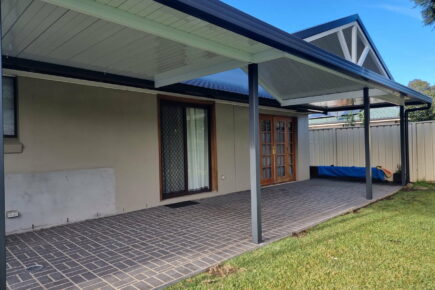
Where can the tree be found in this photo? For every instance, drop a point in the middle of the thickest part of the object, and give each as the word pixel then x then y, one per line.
pixel 425 88
pixel 428 10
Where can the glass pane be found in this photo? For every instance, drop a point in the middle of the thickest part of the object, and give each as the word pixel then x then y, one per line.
pixel 267 173
pixel 280 131
pixel 281 171
pixel 198 169
pixel 172 139
pixel 265 162
pixel 265 126
pixel 9 106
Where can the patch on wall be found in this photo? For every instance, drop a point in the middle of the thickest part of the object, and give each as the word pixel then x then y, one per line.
pixel 58 197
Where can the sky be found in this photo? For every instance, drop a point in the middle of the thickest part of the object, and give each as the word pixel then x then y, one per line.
pixel 395 26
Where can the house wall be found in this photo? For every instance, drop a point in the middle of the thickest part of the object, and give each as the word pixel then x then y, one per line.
pixel 70 131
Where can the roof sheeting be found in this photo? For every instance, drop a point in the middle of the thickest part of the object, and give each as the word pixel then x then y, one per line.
pixel 234 20
pixel 168 42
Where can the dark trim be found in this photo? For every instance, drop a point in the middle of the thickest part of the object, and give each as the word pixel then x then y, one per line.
pixel 229 18
pixel 188 104
pixel 367 145
pixel 403 144
pixel 96 76
pixel 341 22
pixel 314 30
pixel 185 89
pixel 356 107
pixel 3 265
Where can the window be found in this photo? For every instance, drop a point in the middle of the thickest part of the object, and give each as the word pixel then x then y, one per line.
pixel 185 148
pixel 9 107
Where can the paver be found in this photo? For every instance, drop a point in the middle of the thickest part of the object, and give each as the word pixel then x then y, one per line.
pixel 153 247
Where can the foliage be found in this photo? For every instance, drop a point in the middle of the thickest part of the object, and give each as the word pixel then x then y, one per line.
pixel 350 119
pixel 425 88
pixel 388 245
pixel 428 10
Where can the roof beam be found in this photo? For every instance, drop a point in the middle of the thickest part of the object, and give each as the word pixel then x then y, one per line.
pixel 367 43
pixel 267 87
pixel 354 44
pixel 332 97
pixel 132 21
pixel 326 33
pixel 363 56
pixel 219 64
pixel 343 45
pixel 399 101
pixel 190 72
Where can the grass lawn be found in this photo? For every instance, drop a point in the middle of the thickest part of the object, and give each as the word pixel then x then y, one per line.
pixel 390 244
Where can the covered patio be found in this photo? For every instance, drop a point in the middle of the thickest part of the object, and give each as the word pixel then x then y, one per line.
pixel 154 247
pixel 155 47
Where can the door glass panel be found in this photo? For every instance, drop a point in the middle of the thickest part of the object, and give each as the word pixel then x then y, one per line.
pixel 266 148
pixel 172 139
pixel 198 168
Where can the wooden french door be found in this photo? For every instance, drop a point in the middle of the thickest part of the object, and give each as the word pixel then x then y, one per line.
pixel 277 149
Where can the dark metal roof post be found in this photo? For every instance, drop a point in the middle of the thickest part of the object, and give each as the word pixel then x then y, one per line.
pixel 2 181
pixel 408 170
pixel 426 107
pixel 403 146
pixel 254 153
pixel 369 186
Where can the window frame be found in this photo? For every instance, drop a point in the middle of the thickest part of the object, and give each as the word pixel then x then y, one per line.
pixel 15 101
pixel 192 103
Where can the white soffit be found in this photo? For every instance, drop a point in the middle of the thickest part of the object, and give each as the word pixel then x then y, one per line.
pixel 147 40
pixel 142 39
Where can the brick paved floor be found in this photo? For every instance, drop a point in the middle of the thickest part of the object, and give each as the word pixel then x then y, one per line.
pixel 153 247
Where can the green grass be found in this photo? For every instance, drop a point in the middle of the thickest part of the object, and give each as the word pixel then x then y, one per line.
pixel 388 245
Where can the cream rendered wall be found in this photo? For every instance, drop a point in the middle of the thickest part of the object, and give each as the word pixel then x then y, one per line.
pixel 67 126
pixel 73 127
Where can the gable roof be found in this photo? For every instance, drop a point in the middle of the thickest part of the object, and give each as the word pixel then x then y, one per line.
pixel 321 28
pixel 236 81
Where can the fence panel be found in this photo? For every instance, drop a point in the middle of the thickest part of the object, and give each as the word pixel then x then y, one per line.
pixel 345 147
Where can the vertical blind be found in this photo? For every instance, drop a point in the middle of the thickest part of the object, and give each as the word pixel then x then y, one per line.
pixel 197 149
pixel 185 148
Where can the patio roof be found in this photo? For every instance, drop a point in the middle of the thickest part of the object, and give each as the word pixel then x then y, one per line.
pixel 156 44
pixel 168 42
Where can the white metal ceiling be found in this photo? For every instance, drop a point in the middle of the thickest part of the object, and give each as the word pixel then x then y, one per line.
pixel 131 44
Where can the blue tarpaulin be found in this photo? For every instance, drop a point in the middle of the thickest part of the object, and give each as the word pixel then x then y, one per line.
pixel 353 172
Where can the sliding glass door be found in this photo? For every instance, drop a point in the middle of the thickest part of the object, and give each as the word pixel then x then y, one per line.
pixel 185 148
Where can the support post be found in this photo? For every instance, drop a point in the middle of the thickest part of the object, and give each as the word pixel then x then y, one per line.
pixel 254 153
pixel 408 170
pixel 403 146
pixel 2 179
pixel 369 186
